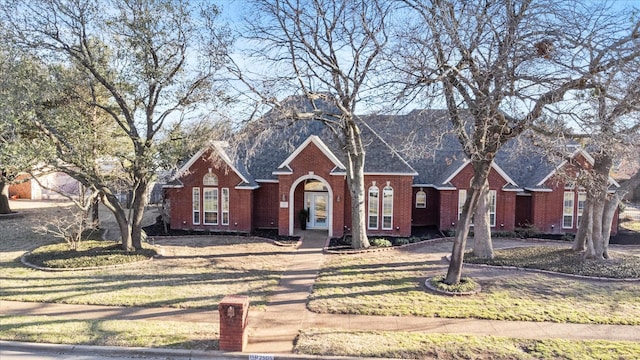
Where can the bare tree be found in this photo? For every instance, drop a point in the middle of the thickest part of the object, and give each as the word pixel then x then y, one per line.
pixel 154 59
pixel 329 51
pixel 73 225
pixel 607 124
pixel 503 62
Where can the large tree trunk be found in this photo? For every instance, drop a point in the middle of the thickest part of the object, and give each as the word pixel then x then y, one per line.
pixel 607 220
pixel 95 212
pixel 4 198
pixel 355 182
pixel 601 167
pixel 580 241
pixel 598 241
pixel 112 203
pixel 138 204
pixel 587 217
pixel 482 245
pixel 481 174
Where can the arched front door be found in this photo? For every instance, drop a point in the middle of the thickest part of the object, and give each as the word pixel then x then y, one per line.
pixel 317 201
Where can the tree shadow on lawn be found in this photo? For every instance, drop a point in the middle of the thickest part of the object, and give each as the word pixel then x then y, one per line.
pixel 96 333
pixel 353 269
pixel 69 288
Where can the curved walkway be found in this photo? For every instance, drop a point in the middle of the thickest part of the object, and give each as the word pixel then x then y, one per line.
pixel 273 331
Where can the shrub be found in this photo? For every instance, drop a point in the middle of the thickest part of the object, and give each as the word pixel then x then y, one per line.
pixel 505 234
pixel 401 241
pixel 414 239
pixel 380 242
pixel 567 237
pixel 527 231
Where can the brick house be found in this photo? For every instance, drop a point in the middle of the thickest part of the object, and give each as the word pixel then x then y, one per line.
pixel 415 175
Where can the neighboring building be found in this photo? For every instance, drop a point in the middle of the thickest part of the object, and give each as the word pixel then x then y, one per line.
pixel 46 187
pixel 268 182
pixel 623 170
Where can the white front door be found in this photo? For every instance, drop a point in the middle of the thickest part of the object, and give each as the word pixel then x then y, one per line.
pixel 317 204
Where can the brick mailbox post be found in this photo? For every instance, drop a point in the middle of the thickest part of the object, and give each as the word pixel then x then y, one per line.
pixel 233 311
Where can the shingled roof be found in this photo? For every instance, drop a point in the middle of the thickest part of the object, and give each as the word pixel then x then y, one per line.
pixel 264 150
pixel 420 143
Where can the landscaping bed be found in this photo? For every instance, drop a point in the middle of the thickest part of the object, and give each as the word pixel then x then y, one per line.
pixel 90 254
pixel 563 260
pixel 158 229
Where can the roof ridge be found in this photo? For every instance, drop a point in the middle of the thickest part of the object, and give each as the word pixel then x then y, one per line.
pixel 393 151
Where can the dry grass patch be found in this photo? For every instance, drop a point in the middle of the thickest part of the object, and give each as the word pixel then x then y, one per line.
pixel 406 345
pixel 196 276
pixel 391 284
pixel 129 333
pixel 194 272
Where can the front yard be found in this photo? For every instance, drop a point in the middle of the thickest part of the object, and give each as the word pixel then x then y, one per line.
pixel 196 272
pixel 391 283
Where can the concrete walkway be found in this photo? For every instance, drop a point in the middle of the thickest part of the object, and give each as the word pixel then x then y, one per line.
pixel 273 331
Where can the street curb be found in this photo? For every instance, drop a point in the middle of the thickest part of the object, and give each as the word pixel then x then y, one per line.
pixel 158 352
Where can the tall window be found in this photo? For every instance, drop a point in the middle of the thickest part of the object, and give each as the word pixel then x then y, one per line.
pixel 387 208
pixel 211 206
pixel 225 206
pixel 492 207
pixel 421 199
pixel 567 214
pixel 462 197
pixel 582 199
pixel 210 180
pixel 373 207
pixel 196 206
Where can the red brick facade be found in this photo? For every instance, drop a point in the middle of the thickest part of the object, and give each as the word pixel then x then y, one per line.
pixel 276 204
pixel 240 214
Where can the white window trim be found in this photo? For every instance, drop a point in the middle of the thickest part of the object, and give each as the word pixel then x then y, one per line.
pixel 215 206
pixel 225 203
pixel 423 204
pixel 492 203
pixel 373 214
pixel 210 179
pixel 462 198
pixel 579 211
pixel 573 208
pixel 195 200
pixel 390 215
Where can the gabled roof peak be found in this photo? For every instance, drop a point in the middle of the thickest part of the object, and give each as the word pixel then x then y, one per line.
pixel 320 145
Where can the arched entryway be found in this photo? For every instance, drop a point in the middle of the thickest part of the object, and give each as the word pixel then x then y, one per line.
pixel 318 200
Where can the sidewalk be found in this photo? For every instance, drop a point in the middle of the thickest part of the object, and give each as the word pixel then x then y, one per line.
pixel 273 331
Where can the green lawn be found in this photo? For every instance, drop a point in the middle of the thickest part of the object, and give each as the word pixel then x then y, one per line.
pixel 195 272
pixel 391 283
pixel 138 333
pixel 405 345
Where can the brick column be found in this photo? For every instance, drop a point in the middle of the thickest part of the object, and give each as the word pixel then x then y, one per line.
pixel 233 311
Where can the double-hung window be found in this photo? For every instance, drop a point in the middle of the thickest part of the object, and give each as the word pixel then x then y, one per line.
pixel 492 207
pixel 568 208
pixel 372 222
pixel 387 208
pixel 421 199
pixel 225 206
pixel 196 205
pixel 462 197
pixel 211 206
pixel 582 199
